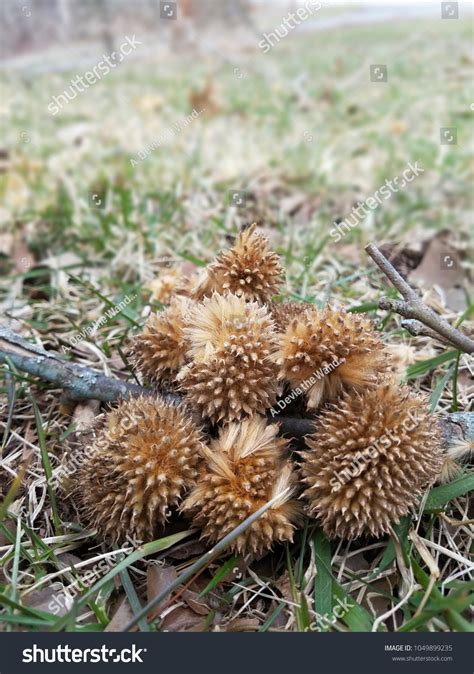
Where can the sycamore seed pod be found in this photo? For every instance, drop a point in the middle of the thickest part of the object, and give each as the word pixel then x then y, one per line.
pixel 244 468
pixel 324 351
pixel 370 458
pixel 142 462
pixel 231 374
pixel 249 270
pixel 160 351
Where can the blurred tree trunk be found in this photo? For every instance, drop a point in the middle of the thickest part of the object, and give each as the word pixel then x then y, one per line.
pixel 64 23
pixel 105 14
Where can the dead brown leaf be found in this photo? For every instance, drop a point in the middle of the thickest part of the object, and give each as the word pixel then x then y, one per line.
pixel 241 625
pixel 22 256
pixel 49 599
pixel 158 578
pixel 204 99
pixel 441 267
pixel 183 619
pixel 195 602
pixel 123 614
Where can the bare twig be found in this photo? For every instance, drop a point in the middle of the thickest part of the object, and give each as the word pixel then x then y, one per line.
pixel 416 329
pixel 414 308
pixel 83 383
pixel 79 382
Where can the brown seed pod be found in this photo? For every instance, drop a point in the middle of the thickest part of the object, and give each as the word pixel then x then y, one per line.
pixel 283 313
pixel 227 387
pixel 141 463
pixel 324 351
pixel 160 351
pixel 232 374
pixel 249 270
pixel 173 281
pixel 370 458
pixel 244 468
pixel 164 286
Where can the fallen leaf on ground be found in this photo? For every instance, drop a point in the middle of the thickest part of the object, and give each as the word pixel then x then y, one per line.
pixel 441 267
pixel 158 578
pixel 182 619
pixel 121 617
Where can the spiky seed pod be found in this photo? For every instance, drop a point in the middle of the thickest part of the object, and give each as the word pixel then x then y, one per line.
pixel 324 351
pixel 283 313
pixel 160 351
pixel 370 459
pixel 232 373
pixel 172 281
pixel 143 460
pixel 229 387
pixel 163 287
pixel 244 468
pixel 249 270
pixel 229 323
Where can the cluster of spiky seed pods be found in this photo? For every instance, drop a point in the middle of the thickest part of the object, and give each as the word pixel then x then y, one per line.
pixel 236 357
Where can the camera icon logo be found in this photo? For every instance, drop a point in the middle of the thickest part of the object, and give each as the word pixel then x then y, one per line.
pixel 450 10
pixel 97 199
pixel 378 73
pixel 448 135
pixel 237 198
pixel 447 262
pixel 168 10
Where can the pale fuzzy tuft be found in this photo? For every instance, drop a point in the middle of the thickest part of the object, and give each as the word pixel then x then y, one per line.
pixel 334 348
pixel 163 286
pixel 170 282
pixel 450 470
pixel 220 323
pixel 231 374
pixel 461 449
pixel 160 351
pixel 456 452
pixel 245 467
pixel 249 270
pixel 140 465
pixel 370 458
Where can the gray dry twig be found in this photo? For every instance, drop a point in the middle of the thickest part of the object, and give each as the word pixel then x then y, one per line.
pixel 421 319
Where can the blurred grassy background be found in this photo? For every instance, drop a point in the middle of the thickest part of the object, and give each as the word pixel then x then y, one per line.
pixel 301 128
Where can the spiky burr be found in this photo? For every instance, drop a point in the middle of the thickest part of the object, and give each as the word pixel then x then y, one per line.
pixel 370 458
pixel 249 270
pixel 160 350
pixel 231 373
pixel 243 469
pixel 143 460
pixel 323 351
pixel 283 313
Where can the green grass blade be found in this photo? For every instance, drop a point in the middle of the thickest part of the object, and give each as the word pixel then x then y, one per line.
pixel 323 590
pixel 440 496
pixel 220 574
pixel 46 466
pixel 421 367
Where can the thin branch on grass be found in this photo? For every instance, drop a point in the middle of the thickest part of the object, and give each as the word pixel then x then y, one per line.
pixel 83 383
pixel 79 382
pixel 421 319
